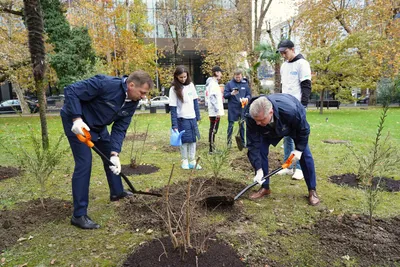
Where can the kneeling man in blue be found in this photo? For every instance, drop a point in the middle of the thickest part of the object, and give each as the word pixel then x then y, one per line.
pixel 93 104
pixel 269 119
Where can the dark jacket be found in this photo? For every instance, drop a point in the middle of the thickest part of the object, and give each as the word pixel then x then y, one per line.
pixel 100 101
pixel 289 120
pixel 189 125
pixel 234 105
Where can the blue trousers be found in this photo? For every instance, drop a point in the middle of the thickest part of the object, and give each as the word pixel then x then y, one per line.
pixel 83 167
pixel 230 131
pixel 288 147
pixel 306 163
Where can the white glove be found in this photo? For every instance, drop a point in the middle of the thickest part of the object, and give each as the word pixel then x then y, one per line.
pixel 259 176
pixel 297 155
pixel 78 125
pixel 116 169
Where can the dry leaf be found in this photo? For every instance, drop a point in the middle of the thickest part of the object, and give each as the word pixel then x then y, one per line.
pixel 52 261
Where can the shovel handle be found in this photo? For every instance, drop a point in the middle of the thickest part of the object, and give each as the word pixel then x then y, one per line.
pixel 285 165
pixel 288 162
pixel 86 138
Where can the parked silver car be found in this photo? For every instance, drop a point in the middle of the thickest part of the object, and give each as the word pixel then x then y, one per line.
pixel 13 106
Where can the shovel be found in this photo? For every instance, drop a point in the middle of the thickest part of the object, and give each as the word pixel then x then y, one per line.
pixel 86 139
pixel 238 139
pixel 215 201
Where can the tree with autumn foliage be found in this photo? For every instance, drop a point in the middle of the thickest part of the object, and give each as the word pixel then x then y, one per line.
pixel 14 65
pixel 351 44
pixel 117 30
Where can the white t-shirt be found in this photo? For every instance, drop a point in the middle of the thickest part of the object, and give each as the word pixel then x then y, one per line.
pixel 292 74
pixel 214 92
pixel 186 109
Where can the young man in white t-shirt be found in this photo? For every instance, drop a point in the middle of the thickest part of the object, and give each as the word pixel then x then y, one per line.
pixel 296 81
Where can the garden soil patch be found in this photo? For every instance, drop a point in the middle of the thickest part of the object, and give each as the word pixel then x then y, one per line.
pixel 350 179
pixel 143 212
pixel 135 136
pixel 28 216
pixel 160 252
pixel 352 237
pixel 139 170
pixel 242 163
pixel 9 172
pixel 170 149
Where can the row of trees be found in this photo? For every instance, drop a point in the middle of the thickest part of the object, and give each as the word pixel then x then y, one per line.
pixel 351 44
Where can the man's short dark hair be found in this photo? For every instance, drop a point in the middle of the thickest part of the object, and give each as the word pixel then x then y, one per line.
pixel 140 78
pixel 215 69
pixel 283 45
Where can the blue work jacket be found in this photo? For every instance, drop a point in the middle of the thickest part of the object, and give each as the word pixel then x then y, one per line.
pixel 289 120
pixel 234 105
pixel 100 101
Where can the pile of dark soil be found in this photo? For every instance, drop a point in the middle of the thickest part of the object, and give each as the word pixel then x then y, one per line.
pixel 160 252
pixel 139 169
pixel 350 179
pixel 352 236
pixel 275 160
pixel 9 172
pixel 28 216
pixel 144 212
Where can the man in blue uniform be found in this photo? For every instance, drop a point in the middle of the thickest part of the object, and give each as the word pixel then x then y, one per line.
pixel 236 91
pixel 93 104
pixel 269 119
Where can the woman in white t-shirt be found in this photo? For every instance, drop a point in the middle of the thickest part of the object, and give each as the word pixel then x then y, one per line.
pixel 185 113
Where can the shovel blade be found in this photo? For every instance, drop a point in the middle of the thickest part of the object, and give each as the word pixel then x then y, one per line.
pixel 239 143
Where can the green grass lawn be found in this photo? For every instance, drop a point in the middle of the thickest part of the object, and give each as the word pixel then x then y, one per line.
pixel 111 244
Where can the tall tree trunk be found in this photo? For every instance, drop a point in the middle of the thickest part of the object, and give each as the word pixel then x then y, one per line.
pixel 34 24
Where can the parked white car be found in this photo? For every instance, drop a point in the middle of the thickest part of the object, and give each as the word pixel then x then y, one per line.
pixel 158 101
pixel 143 103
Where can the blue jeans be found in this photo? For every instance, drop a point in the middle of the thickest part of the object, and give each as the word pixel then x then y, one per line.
pixel 288 147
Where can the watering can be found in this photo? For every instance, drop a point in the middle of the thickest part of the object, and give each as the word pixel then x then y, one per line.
pixel 176 138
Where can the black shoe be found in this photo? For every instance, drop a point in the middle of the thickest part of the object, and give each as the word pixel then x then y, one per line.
pixel 124 194
pixel 84 222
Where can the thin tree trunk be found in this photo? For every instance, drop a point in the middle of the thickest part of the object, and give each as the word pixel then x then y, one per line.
pixel 42 112
pixel 277 76
pixel 321 102
pixel 20 94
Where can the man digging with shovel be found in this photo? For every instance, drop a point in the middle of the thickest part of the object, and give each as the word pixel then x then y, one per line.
pixel 91 105
pixel 269 119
